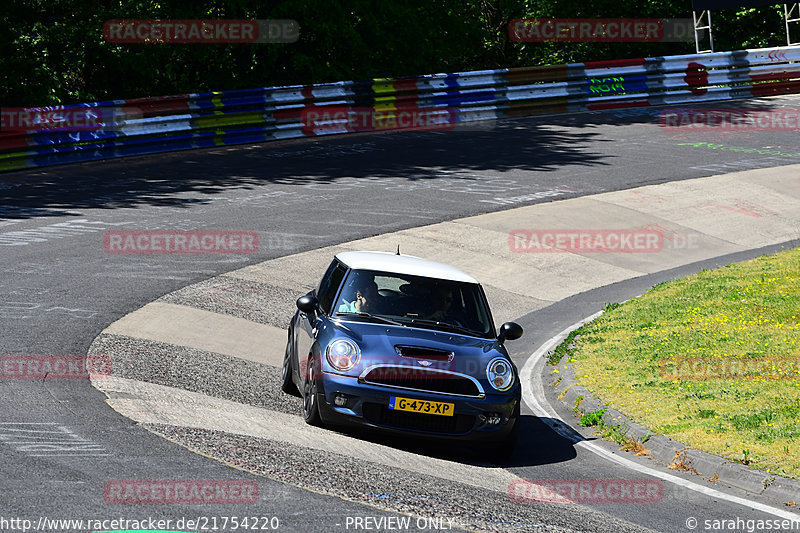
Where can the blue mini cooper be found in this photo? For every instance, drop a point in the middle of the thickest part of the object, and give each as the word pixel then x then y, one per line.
pixel 404 345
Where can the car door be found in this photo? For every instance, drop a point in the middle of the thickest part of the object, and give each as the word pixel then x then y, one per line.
pixel 307 324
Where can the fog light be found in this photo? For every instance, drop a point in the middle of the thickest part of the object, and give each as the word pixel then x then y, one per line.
pixel 340 400
pixel 494 420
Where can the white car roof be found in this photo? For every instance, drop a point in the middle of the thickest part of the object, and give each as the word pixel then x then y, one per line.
pixel 403 264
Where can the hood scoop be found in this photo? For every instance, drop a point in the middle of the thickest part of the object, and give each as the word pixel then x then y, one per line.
pixel 423 352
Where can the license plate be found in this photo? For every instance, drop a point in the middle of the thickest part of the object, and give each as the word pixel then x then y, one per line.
pixel 421 406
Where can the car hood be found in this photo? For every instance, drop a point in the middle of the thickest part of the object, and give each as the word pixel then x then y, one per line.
pixel 378 344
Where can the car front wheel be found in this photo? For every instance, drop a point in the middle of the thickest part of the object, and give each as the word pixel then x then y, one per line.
pixel 310 405
pixel 287 385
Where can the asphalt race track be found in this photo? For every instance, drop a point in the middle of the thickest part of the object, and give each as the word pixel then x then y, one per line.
pixel 60 289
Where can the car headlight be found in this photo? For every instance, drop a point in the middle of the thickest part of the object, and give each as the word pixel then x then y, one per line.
pixel 500 373
pixel 343 354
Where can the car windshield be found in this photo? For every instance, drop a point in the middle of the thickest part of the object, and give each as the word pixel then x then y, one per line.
pixel 415 301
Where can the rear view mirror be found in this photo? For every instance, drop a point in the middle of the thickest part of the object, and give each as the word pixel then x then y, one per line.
pixel 308 303
pixel 510 331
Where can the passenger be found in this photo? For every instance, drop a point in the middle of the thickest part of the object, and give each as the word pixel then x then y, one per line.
pixel 442 305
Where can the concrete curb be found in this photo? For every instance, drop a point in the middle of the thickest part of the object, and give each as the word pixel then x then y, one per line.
pixel 666 450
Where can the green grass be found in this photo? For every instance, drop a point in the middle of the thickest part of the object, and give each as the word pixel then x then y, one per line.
pixel 563 348
pixel 747 311
pixel 595 418
pixel 567 344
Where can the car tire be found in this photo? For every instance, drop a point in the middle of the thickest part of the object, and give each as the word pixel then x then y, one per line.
pixel 287 383
pixel 310 399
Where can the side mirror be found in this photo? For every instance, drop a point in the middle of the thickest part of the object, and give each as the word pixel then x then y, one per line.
pixel 510 331
pixel 308 303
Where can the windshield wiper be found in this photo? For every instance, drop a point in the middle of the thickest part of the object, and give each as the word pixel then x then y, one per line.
pixel 447 325
pixel 368 315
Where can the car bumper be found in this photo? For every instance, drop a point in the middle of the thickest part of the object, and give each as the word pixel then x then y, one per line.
pixel 367 406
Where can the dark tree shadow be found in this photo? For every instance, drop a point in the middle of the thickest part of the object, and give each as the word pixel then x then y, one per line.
pixel 538 143
pixel 170 179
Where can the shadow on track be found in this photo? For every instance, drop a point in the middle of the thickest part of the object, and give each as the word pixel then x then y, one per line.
pixel 538 444
pixel 171 179
pixel 183 179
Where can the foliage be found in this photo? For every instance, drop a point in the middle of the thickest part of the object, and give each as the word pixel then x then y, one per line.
pixel 53 51
pixel 594 418
pixel 564 348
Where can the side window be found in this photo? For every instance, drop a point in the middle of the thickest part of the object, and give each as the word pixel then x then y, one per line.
pixel 481 309
pixel 329 285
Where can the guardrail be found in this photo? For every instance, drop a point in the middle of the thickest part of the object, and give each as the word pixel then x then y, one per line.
pixel 203 120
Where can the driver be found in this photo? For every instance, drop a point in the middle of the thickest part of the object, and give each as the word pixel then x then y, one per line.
pixel 367 299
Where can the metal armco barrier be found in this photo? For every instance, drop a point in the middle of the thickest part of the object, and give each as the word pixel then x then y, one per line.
pixel 151 125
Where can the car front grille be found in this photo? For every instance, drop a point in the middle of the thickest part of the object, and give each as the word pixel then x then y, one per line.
pixel 423 380
pixel 383 416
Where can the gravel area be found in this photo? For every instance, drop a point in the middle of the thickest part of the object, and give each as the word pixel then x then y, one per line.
pixel 250 300
pixel 212 374
pixel 389 488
